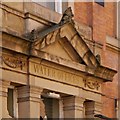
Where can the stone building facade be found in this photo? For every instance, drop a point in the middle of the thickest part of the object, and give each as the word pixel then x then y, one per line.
pixel 58 65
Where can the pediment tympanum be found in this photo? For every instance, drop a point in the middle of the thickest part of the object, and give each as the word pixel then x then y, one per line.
pixel 62 42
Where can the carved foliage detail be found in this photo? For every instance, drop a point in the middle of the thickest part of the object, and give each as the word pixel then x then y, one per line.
pixel 47 40
pixel 91 84
pixel 13 62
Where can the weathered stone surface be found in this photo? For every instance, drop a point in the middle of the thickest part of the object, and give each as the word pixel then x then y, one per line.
pixel 42 12
pixel 11 21
pixel 73 107
pixel 29 101
pixel 16 42
pixel 111 41
pixel 66 69
pixel 15 5
pixel 3 99
pixel 84 30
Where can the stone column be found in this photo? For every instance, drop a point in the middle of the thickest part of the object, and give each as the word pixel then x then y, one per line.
pixel 73 107
pixel 91 108
pixel 29 100
pixel 3 99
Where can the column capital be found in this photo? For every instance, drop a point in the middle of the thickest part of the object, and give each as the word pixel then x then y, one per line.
pixel 73 106
pixel 92 107
pixel 4 83
pixel 98 107
pixel 26 93
pixel 3 99
pixel 29 100
pixel 29 89
pixel 75 99
pixel 4 87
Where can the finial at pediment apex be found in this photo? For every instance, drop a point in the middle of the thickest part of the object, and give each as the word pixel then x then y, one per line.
pixel 67 15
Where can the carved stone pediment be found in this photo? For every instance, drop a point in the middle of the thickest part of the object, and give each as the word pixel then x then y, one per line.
pixel 64 37
pixel 63 41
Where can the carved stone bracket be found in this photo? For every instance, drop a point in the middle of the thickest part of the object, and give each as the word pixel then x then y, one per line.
pixel 91 84
pixel 13 62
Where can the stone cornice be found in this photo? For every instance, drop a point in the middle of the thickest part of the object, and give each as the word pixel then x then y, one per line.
pixel 14 34
pixel 106 73
pixel 102 73
pixel 37 18
pixel 17 42
pixel 113 43
pixel 12 10
pixel 42 12
pixel 31 14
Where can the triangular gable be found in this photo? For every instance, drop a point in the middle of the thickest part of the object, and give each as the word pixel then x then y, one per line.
pixel 66 30
pixel 61 49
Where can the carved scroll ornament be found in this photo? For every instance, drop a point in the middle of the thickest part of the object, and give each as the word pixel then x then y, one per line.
pixel 13 62
pixel 91 84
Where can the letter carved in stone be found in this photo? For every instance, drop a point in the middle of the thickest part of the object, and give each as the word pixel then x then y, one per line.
pixel 56 74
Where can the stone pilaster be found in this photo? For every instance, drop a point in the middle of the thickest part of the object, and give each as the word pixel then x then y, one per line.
pixel 91 108
pixel 73 107
pixel 29 101
pixel 3 99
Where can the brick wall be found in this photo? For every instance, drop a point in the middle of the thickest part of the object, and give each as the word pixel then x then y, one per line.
pixel 102 21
